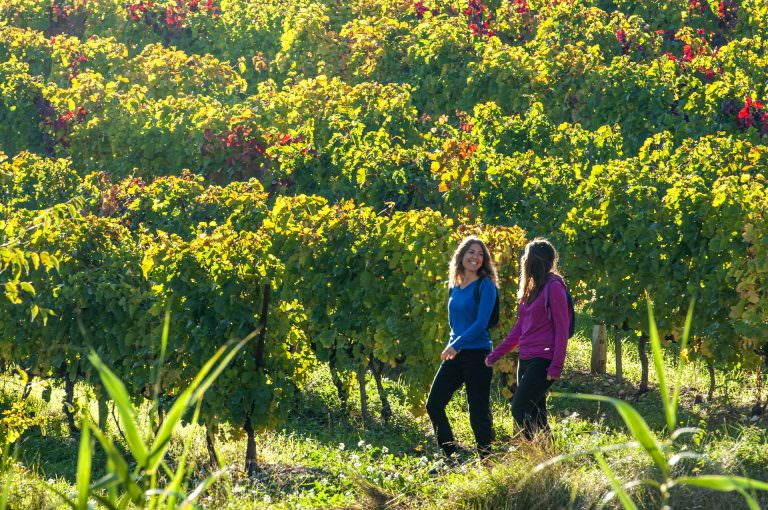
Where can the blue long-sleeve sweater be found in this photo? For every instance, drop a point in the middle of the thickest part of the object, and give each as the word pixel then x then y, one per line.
pixel 468 319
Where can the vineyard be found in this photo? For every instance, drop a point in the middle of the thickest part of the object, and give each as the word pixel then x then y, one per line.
pixel 301 172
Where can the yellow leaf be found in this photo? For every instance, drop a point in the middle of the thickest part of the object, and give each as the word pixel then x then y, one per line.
pixel 28 288
pixel 443 187
pixel 146 266
pixel 434 167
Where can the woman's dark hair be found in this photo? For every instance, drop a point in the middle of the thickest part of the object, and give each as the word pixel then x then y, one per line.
pixel 538 262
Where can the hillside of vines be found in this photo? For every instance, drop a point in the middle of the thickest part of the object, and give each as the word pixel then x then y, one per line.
pixel 305 169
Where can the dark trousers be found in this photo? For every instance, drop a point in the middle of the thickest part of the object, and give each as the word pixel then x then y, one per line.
pixel 529 405
pixel 468 367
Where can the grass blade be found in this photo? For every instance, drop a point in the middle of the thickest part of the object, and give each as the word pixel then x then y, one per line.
pixel 119 395
pixel 63 496
pixel 5 470
pixel 582 453
pixel 684 430
pixel 202 487
pixel 224 363
pixel 6 491
pixel 658 363
pixel 108 480
pixel 163 348
pixel 683 347
pixel 751 502
pixel 84 458
pixel 626 501
pixel 723 483
pixel 161 358
pixel 105 502
pixel 636 424
pixel 178 478
pixel 118 465
pixel 191 394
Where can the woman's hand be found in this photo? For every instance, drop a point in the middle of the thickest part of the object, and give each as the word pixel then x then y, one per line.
pixel 448 353
pixel 550 378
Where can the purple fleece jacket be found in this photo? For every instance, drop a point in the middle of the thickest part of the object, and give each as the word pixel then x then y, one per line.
pixel 539 334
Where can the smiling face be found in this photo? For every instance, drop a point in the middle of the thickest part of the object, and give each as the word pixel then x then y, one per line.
pixel 470 260
pixel 473 258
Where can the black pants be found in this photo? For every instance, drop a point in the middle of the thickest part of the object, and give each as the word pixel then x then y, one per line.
pixel 468 367
pixel 529 405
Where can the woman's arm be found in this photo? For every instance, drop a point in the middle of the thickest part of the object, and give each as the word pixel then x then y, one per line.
pixel 558 303
pixel 509 343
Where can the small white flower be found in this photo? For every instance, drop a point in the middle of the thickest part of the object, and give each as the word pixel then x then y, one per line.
pixel 384 449
pixel 341 446
pixel 267 499
pixel 361 443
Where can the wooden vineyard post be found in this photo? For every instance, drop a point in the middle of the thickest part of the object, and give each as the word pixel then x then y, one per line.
pixel 599 353
pixel 617 346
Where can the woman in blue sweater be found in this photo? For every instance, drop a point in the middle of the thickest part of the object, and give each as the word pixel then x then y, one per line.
pixel 473 281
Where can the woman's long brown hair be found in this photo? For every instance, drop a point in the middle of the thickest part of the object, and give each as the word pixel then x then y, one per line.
pixel 538 261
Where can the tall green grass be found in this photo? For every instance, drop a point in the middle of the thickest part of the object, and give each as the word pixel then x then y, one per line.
pixel 662 451
pixel 143 478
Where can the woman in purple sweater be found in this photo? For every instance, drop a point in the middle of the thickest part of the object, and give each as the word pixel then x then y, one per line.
pixel 541 331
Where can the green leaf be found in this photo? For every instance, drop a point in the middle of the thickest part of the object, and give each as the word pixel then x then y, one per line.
pixel 658 363
pixel 118 467
pixel 202 487
pixel 626 501
pixel 751 502
pixel 127 412
pixel 84 457
pixel 189 397
pixel 63 496
pixel 722 483
pixel 683 347
pixel 175 486
pixel 6 489
pixel 636 424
